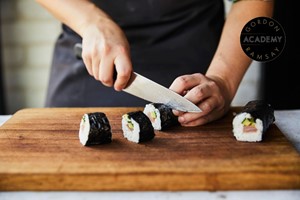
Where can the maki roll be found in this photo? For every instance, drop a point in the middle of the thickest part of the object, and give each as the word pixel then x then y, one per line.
pixel 137 127
pixel 94 129
pixel 253 121
pixel 161 116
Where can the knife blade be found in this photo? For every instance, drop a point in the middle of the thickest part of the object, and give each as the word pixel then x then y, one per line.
pixel 151 91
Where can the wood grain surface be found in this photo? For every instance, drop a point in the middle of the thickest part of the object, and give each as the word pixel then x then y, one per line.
pixel 40 151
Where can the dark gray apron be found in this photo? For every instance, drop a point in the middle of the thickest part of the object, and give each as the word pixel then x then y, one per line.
pixel 168 38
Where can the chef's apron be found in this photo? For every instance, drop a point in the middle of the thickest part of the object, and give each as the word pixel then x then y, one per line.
pixel 167 38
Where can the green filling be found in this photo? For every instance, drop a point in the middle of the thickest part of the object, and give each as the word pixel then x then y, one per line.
pixel 248 122
pixel 129 122
pixel 153 115
pixel 130 125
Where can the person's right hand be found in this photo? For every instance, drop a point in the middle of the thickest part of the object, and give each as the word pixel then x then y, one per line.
pixel 105 46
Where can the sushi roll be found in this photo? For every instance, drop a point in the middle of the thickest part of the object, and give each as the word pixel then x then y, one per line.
pixel 161 116
pixel 94 129
pixel 253 121
pixel 137 127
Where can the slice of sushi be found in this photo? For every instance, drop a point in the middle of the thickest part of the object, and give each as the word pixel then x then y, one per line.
pixel 161 116
pixel 137 127
pixel 94 129
pixel 253 121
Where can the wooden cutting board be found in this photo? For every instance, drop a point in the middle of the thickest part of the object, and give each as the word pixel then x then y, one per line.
pixel 40 150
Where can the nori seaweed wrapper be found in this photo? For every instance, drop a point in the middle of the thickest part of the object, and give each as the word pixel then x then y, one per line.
pixel 146 128
pixel 100 130
pixel 168 119
pixel 261 110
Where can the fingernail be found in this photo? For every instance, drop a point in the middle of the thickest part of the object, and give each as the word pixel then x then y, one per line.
pixel 181 119
pixel 175 112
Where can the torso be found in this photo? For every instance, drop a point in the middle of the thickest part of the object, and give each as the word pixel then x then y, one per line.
pixel 167 39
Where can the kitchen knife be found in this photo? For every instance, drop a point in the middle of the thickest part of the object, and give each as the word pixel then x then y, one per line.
pixel 151 91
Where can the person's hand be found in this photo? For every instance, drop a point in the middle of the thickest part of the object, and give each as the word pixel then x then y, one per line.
pixel 208 93
pixel 105 47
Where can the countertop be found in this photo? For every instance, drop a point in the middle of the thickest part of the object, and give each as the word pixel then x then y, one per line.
pixel 286 120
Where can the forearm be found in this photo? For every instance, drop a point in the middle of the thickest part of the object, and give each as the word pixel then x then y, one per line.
pixel 77 14
pixel 105 46
pixel 230 62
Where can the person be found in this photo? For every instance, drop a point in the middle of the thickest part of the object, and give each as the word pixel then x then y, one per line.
pixel 190 46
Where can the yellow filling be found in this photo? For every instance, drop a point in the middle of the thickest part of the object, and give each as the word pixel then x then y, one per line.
pixel 153 115
pixel 248 122
pixel 129 122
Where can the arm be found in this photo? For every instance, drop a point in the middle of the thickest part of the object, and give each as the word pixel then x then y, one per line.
pixel 229 56
pixel 104 43
pixel 214 92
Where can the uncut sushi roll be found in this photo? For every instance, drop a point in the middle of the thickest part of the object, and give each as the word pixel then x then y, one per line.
pixel 161 116
pixel 137 127
pixel 253 121
pixel 94 129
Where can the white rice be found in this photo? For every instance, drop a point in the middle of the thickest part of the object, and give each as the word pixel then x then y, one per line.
pixel 84 129
pixel 131 135
pixel 156 123
pixel 238 129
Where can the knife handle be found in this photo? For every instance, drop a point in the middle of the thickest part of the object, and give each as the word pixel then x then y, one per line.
pixel 78 51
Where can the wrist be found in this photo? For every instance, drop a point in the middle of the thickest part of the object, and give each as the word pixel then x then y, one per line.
pixel 225 78
pixel 93 19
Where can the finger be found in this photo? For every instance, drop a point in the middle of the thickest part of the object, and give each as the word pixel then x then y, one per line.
pixel 206 106
pixel 199 93
pixel 91 53
pixel 183 83
pixel 212 116
pixel 87 60
pixel 106 71
pixel 186 118
pixel 95 66
pixel 177 112
pixel 124 71
pixel 193 119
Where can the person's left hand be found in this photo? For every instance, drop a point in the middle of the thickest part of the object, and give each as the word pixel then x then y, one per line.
pixel 208 93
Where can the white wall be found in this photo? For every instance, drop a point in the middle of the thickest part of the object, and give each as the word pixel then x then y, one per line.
pixel 250 86
pixel 28 36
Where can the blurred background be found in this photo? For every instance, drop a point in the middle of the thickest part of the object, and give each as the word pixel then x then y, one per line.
pixel 28 33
